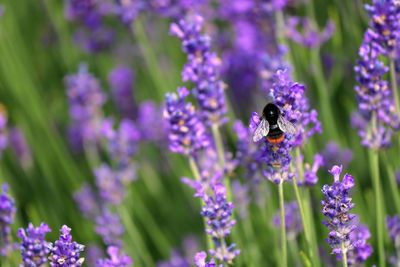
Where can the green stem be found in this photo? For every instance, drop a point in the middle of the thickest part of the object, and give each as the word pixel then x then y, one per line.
pixel 197 177
pixel 344 255
pixel 283 225
pixel 395 90
pixel 393 186
pixel 374 165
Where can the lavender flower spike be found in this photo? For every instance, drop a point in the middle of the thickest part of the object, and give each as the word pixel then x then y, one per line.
pixel 65 252
pixel 187 133
pixel 117 259
pixel 34 248
pixel 203 69
pixel 7 214
pixel 336 207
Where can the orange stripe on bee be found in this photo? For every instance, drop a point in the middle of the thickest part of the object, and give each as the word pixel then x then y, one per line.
pixel 276 140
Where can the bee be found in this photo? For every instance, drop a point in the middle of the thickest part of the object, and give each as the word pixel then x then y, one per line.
pixel 273 125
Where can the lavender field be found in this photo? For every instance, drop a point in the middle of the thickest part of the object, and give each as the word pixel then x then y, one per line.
pixel 205 133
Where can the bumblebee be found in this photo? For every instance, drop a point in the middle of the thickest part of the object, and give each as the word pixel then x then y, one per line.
pixel 273 125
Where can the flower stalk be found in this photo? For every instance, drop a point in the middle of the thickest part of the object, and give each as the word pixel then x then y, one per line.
pixel 283 225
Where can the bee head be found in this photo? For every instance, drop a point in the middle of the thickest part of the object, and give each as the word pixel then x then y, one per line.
pixel 271 113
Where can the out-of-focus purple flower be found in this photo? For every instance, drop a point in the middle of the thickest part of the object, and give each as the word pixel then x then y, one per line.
pixel 109 227
pixel 336 208
pixel 176 260
pixel 2 9
pixel 86 99
pixel 128 10
pixel 116 259
pixel 84 11
pixel 361 249
pixel 94 41
pixel 7 215
pixel 86 200
pixel 177 8
pixel 397 175
pixel 3 129
pixel 384 26
pixel 308 36
pixel 203 69
pixel 187 133
pixel 393 227
pixel 375 101
pixel 34 248
pixel 332 154
pixel 183 257
pixel 310 174
pixel 21 148
pixel 292 219
pixel 218 213
pixel 148 121
pixel 200 260
pixel 93 254
pixel 121 80
pixel 65 252
pixel 242 198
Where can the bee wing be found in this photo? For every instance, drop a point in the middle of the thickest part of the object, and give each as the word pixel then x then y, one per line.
pixel 261 131
pixel 286 126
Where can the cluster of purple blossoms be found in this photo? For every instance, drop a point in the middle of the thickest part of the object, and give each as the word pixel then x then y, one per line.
pixel 7 215
pixel 34 248
pixel 345 234
pixel 93 36
pixel 21 148
pixel 309 36
pixel 293 222
pixel 393 226
pixel 65 252
pixel 109 227
pixel 332 153
pixel 384 26
pixel 187 133
pixel 3 129
pixel 86 99
pixel 183 257
pixel 116 259
pixel 200 260
pixel 203 69
pixel 149 124
pixel 377 115
pixel 121 80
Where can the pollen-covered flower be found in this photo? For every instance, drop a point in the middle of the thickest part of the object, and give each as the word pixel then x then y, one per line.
pixel 121 80
pixel 86 99
pixel 7 215
pixel 308 35
pixel 117 258
pixel 34 247
pixel 187 133
pixel 336 208
pixel 65 252
pixel 202 68
pixel 292 220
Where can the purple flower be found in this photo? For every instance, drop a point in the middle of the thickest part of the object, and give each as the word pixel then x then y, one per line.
pixel 187 133
pixel 86 199
pixel 128 10
pixel 176 260
pixel 218 213
pixel 109 227
pixel 362 250
pixel 94 40
pixel 34 248
pixel 84 11
pixel 336 208
pixel 393 226
pixel 309 36
pixel 293 222
pixel 202 68
pixel 3 129
pixel 2 9
pixel 148 121
pixel 182 258
pixel 21 148
pixel 121 80
pixel 116 259
pixel 65 252
pixel 86 99
pixel 200 260
pixel 241 194
pixel 384 26
pixel 310 174
pixel 332 154
pixel 176 8
pixel 93 254
pixel 397 175
pixel 375 101
pixel 7 215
